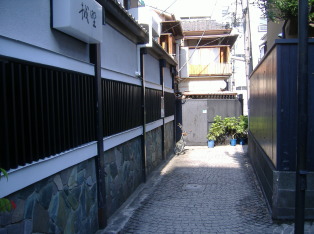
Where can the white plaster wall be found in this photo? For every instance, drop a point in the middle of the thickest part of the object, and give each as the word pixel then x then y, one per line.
pixel 118 53
pixel 29 22
pixel 183 68
pixel 256 35
pixel 167 78
pixel 202 86
pixel 151 69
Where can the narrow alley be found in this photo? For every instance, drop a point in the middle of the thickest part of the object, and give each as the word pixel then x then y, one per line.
pixel 200 191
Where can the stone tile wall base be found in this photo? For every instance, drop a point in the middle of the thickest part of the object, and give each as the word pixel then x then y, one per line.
pixel 63 203
pixel 279 186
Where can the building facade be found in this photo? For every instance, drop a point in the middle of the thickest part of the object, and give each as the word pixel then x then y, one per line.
pixel 88 112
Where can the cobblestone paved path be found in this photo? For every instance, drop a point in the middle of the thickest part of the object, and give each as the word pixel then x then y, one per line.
pixel 201 191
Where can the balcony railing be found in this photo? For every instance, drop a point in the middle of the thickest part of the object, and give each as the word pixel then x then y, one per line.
pixel 210 69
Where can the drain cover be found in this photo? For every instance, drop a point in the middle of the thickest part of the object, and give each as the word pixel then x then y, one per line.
pixel 194 187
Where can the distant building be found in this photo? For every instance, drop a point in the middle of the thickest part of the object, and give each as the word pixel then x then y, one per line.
pixel 205 57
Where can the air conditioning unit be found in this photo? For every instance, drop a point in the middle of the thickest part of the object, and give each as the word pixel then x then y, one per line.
pixel 145 16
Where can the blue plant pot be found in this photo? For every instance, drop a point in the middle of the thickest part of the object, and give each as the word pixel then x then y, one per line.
pixel 242 141
pixel 211 144
pixel 233 142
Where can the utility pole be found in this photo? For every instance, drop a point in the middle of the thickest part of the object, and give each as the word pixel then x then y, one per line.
pixel 302 116
pixel 247 46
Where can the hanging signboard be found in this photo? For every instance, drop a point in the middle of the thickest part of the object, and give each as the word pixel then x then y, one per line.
pixel 80 19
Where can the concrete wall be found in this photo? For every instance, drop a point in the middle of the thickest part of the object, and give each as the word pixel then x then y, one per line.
pixel 198 114
pixel 273 29
pixel 63 203
pixel 167 78
pixel 117 52
pixel 151 70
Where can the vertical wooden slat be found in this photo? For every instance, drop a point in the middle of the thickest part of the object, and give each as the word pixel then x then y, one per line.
pixel 4 123
pixel 34 114
pixel 79 110
pixel 104 107
pixel 111 103
pixel 51 97
pixel 88 110
pixel 47 112
pixel 41 110
pixel 58 114
pixel 28 109
pixel 62 110
pixel 107 112
pixel 92 109
pixel 72 111
pixel 84 99
pixel 20 116
pixel 88 105
pixel 67 111
pixel 13 125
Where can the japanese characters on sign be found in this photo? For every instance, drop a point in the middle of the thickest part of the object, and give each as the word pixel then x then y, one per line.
pixel 80 19
pixel 86 14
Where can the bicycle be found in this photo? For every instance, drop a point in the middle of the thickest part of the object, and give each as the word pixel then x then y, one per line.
pixel 181 143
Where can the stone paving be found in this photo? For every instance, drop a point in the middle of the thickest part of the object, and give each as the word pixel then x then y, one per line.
pixel 200 191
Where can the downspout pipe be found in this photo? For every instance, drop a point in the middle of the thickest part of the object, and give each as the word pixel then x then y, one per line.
pixel 141 50
pixel 144 157
pixel 162 65
pixel 99 159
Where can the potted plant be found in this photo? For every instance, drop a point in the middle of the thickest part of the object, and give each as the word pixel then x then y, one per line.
pixel 216 131
pixel 211 140
pixel 231 125
pixel 287 11
pixel 242 129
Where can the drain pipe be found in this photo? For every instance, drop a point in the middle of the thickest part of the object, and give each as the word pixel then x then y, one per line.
pixel 141 50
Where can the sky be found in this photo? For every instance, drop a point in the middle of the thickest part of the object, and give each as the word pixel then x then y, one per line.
pixel 190 7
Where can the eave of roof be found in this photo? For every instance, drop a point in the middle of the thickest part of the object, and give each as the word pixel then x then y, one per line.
pixel 226 39
pixel 207 32
pixel 174 27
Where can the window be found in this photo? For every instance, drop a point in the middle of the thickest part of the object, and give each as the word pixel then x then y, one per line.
pixel 262 27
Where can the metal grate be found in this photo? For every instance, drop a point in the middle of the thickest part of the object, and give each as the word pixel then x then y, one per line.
pixel 44 111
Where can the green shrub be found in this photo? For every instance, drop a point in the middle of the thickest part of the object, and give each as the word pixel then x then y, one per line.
pixel 277 10
pixel 223 128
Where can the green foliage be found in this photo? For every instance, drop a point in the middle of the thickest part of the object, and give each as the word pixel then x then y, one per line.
pixel 5 174
pixel 277 10
pixel 5 204
pixel 231 126
pixel 242 126
pixel 228 127
pixel 217 129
